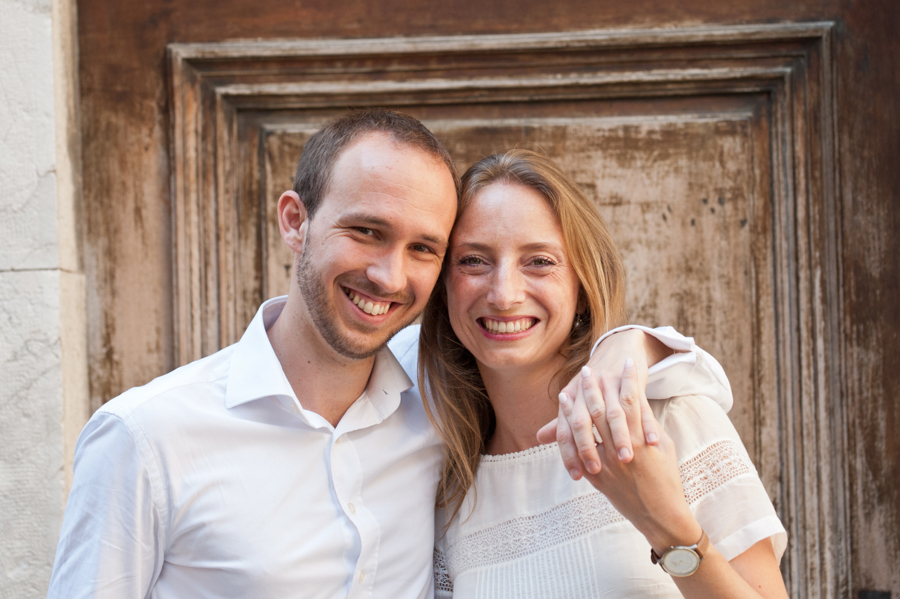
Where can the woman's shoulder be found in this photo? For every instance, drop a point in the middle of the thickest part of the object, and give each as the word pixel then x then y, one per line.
pixel 694 422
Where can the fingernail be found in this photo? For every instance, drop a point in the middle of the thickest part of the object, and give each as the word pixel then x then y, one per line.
pixel 574 473
pixel 563 398
pixel 629 363
pixel 652 437
pixel 585 371
pixel 593 467
pixel 624 453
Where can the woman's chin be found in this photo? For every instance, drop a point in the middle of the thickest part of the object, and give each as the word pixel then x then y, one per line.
pixel 509 360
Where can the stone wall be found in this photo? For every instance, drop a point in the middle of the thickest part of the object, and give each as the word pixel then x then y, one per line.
pixel 42 364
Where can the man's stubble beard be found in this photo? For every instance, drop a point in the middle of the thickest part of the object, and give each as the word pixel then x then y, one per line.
pixel 325 318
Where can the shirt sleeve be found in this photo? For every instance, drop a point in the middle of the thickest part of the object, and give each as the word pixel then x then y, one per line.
pixel 443 583
pixel 111 545
pixel 720 482
pixel 689 371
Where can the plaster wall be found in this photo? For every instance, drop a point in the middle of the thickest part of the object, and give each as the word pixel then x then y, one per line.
pixel 41 288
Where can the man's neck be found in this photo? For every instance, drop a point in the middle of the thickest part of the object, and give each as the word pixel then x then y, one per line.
pixel 324 381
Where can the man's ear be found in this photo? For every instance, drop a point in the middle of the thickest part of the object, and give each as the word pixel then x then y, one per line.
pixel 293 221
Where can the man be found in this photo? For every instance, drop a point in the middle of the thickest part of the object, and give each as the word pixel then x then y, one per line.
pixel 299 461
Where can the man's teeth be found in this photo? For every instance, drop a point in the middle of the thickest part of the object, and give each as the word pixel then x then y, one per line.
pixel 514 326
pixel 367 306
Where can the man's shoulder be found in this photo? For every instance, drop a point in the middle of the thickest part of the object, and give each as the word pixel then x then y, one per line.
pixel 203 378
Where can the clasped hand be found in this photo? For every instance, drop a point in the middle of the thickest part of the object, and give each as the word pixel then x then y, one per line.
pixel 646 488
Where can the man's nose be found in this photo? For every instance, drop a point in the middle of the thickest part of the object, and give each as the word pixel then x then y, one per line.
pixel 507 288
pixel 388 272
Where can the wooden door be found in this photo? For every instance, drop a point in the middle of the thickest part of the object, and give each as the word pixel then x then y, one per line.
pixel 711 148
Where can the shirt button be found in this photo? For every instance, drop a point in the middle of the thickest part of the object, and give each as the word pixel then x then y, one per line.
pixel 352 508
pixel 362 576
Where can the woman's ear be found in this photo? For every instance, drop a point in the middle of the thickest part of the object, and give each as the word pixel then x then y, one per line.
pixel 293 221
pixel 582 305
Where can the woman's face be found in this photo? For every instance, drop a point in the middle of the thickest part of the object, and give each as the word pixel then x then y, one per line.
pixel 511 291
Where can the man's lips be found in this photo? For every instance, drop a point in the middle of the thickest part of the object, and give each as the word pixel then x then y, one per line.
pixel 507 326
pixel 366 303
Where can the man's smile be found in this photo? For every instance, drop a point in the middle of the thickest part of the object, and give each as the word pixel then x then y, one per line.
pixel 366 303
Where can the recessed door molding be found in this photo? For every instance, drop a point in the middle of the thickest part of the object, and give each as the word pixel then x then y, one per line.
pixel 226 98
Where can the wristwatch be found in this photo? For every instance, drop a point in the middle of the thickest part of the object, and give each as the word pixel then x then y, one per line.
pixel 682 560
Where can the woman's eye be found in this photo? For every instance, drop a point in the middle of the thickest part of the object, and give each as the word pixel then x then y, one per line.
pixel 470 261
pixel 543 261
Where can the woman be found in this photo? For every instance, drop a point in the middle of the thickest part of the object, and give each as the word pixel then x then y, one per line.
pixel 532 279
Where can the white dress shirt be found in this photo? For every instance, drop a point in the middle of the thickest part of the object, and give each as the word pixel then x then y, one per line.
pixel 214 481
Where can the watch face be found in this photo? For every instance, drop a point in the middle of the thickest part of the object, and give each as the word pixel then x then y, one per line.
pixel 681 562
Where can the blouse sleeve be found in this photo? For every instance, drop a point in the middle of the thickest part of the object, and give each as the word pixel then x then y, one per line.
pixel 720 482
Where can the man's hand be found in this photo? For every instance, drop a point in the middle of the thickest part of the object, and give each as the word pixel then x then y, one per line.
pixel 574 428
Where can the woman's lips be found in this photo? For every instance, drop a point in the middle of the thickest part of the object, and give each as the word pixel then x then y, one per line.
pixel 507 327
pixel 367 304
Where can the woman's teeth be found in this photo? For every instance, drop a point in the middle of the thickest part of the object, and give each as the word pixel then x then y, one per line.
pixel 514 326
pixel 367 306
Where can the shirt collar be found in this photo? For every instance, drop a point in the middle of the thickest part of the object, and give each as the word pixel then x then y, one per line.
pixel 387 382
pixel 255 371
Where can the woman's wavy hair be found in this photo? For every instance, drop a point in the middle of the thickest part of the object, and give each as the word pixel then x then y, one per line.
pixel 459 406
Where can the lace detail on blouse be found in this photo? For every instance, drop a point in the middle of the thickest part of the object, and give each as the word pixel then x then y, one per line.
pixel 442 582
pixel 712 468
pixel 700 475
pixel 518 455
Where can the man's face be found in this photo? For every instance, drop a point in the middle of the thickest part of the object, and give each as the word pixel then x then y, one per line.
pixel 374 247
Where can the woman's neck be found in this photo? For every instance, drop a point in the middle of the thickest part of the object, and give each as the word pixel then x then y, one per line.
pixel 523 400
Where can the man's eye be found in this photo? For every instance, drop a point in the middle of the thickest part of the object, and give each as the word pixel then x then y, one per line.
pixel 364 231
pixel 470 261
pixel 422 248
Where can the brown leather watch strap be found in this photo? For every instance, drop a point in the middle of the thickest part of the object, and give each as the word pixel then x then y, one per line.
pixel 700 547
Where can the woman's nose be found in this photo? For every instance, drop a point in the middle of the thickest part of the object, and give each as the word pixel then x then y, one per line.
pixel 507 288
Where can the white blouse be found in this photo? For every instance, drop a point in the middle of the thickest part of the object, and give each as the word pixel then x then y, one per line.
pixel 534 532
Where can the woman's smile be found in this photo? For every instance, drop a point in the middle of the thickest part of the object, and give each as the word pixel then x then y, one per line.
pixel 506 327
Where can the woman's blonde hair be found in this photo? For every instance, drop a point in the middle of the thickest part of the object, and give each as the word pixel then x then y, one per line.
pixel 459 406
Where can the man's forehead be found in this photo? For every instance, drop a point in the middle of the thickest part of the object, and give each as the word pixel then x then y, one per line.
pixel 375 149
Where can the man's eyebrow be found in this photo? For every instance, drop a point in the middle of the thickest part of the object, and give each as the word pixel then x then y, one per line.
pixel 361 218
pixel 368 219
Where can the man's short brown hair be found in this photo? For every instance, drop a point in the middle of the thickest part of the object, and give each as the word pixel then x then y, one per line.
pixel 323 148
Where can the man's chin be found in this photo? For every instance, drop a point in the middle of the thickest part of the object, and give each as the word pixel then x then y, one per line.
pixel 362 345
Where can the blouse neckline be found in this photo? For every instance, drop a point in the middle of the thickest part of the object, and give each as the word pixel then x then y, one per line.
pixel 518 455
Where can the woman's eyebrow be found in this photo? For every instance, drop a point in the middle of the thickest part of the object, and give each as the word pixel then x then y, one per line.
pixel 541 245
pixel 534 246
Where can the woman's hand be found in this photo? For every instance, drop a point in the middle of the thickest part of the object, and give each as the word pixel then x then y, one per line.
pixel 575 433
pixel 646 489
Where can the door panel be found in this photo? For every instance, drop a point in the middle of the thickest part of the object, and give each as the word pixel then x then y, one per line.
pixel 706 159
